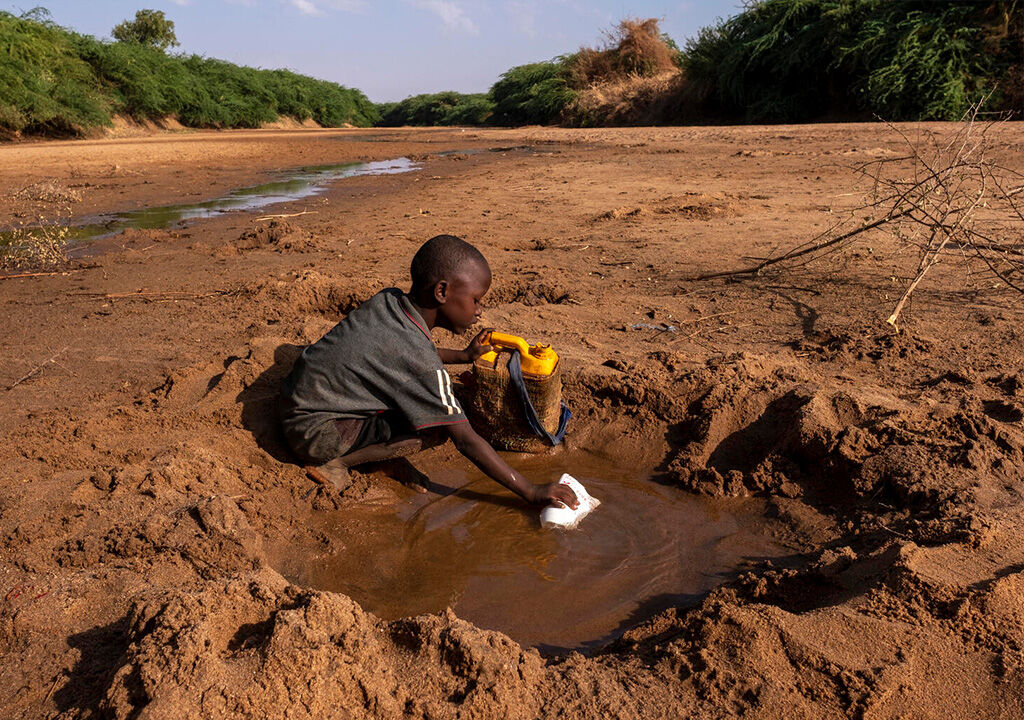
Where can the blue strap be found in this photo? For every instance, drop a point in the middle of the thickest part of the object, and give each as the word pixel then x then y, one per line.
pixel 515 370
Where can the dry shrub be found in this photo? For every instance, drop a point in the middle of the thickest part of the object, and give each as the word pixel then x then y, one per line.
pixel 635 48
pixel 632 80
pixel 642 49
pixel 49 191
pixel 39 247
pixel 629 100
pixel 43 243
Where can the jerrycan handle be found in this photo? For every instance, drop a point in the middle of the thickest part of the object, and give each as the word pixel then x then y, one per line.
pixel 509 341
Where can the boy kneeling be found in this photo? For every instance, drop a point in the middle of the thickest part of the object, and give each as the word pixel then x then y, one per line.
pixel 374 388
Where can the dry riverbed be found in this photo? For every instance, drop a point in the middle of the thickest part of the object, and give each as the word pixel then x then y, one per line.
pixel 163 555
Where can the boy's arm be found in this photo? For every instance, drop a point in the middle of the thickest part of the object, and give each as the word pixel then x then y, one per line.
pixel 483 456
pixel 475 349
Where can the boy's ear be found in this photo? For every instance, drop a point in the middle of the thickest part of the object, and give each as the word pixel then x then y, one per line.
pixel 441 292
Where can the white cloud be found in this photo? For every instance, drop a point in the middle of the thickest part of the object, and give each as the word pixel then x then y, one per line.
pixel 346 5
pixel 306 7
pixel 182 3
pixel 317 7
pixel 451 14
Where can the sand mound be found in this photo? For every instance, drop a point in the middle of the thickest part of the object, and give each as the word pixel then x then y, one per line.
pixel 258 645
pixel 755 426
pixel 306 293
pixel 279 236
pixel 696 206
pixel 529 292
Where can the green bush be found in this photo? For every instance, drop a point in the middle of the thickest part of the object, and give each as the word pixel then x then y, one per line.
pixel 534 94
pixel 793 60
pixel 444 108
pixel 45 87
pixel 55 81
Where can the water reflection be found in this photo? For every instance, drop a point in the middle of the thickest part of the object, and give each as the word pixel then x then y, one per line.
pixel 482 552
pixel 304 183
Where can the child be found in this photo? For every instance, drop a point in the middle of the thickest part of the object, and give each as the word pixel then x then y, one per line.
pixel 375 388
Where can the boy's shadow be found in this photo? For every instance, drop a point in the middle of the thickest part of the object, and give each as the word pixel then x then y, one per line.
pixel 260 410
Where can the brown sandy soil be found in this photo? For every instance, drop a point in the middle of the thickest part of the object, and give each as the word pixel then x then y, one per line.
pixel 144 490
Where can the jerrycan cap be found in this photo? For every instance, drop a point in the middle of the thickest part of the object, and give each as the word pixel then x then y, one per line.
pixel 541 361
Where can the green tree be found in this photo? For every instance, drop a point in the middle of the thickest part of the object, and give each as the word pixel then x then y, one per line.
pixel 149 27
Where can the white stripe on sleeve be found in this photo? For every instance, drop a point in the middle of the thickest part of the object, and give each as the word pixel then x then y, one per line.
pixel 441 375
pixel 451 395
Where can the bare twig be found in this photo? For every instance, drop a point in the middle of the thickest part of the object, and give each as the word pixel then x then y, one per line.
pixel 287 215
pixel 32 274
pixel 156 295
pixel 35 371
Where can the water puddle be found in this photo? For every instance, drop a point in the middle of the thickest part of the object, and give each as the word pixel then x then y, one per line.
pixel 297 185
pixel 482 552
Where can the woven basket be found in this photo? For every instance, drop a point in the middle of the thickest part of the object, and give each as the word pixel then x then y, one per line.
pixel 496 412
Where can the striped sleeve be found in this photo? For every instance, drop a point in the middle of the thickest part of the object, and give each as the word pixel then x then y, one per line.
pixel 429 401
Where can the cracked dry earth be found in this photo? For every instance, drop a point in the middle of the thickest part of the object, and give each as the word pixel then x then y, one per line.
pixel 145 493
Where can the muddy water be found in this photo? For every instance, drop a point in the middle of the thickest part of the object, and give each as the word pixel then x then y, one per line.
pixel 475 547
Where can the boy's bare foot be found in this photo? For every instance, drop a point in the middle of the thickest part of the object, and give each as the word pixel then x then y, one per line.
pixel 405 472
pixel 333 472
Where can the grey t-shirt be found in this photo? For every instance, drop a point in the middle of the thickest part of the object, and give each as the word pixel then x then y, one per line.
pixel 380 357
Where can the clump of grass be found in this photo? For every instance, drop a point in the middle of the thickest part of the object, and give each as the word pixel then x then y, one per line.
pixel 40 239
pixel 632 80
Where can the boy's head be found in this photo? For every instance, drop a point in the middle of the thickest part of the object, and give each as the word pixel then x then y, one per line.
pixel 451 276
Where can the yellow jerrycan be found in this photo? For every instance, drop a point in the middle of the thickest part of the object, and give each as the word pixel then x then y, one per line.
pixel 517 398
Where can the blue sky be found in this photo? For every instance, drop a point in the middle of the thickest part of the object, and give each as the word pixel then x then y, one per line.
pixel 389 49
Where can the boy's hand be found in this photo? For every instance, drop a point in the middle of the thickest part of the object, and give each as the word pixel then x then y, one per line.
pixel 483 456
pixel 555 492
pixel 477 347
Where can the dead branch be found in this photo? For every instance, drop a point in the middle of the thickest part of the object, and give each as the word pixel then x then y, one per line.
pixel 943 196
pixel 794 254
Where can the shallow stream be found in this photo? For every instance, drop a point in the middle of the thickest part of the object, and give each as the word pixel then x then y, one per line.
pixel 294 185
pixel 481 551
